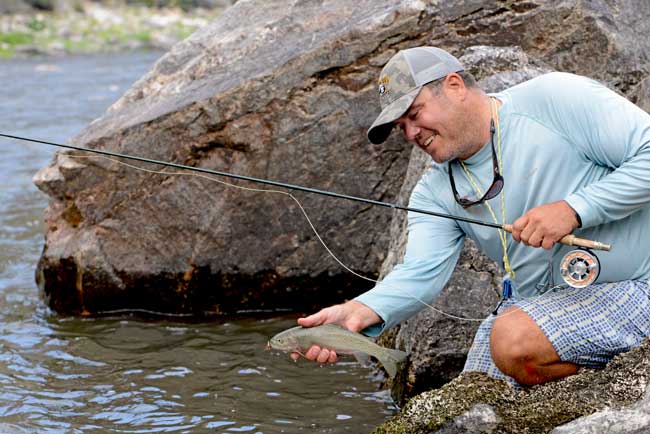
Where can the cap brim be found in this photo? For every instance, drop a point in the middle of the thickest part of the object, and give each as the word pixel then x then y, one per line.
pixel 383 125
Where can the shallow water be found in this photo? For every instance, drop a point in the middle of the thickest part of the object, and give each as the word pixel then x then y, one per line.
pixel 123 374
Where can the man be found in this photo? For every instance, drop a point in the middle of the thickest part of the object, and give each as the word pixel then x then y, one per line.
pixel 556 155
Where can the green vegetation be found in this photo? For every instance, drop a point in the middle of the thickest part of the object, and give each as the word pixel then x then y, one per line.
pixel 9 40
pixel 94 28
pixel 16 38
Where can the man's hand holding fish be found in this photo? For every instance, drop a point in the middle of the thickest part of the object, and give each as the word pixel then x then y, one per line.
pixel 352 315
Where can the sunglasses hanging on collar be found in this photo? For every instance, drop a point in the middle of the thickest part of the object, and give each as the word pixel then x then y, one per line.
pixel 497 182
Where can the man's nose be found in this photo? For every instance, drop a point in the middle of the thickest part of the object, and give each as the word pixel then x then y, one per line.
pixel 411 131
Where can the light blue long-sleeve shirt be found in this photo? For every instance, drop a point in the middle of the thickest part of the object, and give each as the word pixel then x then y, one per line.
pixel 563 137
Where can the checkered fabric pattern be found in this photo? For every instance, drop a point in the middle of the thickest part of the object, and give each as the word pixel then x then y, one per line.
pixel 587 326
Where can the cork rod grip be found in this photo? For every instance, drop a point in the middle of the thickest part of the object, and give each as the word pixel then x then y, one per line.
pixel 572 240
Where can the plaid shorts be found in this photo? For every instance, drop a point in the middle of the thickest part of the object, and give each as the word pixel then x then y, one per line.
pixel 587 326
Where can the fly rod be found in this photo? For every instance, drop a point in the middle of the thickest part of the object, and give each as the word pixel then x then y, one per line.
pixel 569 240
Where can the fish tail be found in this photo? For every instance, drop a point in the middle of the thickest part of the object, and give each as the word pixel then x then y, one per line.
pixel 390 360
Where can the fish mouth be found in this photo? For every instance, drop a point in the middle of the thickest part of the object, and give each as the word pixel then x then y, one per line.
pixel 268 346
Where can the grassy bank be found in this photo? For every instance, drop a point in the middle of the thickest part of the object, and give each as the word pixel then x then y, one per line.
pixel 93 28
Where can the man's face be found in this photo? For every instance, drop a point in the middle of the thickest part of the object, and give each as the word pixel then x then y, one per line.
pixel 438 125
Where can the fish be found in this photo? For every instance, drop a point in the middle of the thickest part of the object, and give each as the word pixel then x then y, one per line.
pixel 343 341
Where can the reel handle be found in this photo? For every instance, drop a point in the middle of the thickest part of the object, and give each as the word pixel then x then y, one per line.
pixel 572 240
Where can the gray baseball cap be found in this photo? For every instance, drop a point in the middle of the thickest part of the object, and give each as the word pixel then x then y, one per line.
pixel 401 80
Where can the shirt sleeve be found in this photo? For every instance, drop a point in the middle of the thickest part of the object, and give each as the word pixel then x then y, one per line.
pixel 612 132
pixel 433 248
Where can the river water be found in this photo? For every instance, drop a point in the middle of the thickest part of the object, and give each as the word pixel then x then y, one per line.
pixel 124 374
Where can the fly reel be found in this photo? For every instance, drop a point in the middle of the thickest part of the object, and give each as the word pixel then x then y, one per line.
pixel 580 268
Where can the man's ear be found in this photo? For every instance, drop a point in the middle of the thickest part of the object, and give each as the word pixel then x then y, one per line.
pixel 455 85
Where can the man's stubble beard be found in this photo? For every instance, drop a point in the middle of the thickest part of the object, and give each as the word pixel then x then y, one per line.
pixel 465 141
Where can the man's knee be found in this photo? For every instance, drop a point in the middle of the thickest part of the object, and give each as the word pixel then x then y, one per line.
pixel 507 344
pixel 519 347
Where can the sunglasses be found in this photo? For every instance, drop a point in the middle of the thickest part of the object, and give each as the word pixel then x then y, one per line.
pixel 497 183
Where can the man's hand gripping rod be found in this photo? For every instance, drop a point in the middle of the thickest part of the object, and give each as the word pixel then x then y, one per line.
pixel 572 240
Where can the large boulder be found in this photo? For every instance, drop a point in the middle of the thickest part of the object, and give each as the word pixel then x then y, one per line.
pixel 279 90
pixel 286 96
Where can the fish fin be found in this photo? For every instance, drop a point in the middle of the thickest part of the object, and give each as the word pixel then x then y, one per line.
pixel 390 360
pixel 362 358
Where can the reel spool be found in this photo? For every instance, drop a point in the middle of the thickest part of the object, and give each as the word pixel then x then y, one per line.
pixel 580 268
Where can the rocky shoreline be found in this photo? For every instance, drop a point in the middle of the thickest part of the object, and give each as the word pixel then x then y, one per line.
pixel 92 27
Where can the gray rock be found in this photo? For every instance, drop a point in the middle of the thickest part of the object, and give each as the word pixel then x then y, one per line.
pixel 480 419
pixel 10 7
pixel 640 95
pixel 598 38
pixel 634 419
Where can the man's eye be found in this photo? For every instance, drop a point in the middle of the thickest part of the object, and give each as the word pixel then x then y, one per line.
pixel 414 115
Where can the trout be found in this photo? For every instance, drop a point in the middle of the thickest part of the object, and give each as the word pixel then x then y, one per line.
pixel 299 339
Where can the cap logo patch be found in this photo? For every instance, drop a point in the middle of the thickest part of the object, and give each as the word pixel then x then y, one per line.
pixel 382 85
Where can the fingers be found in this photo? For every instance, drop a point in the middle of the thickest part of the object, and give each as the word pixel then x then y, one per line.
pixel 316 319
pixel 548 243
pixel 525 232
pixel 352 315
pixel 324 356
pixel 518 226
pixel 317 354
pixel 545 225
pixel 531 235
